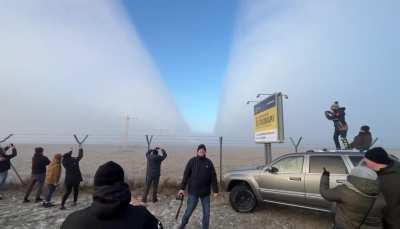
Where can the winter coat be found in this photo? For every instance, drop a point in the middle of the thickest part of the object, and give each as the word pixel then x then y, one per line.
pixel 354 200
pixel 199 176
pixel 362 141
pixel 5 163
pixel 111 209
pixel 389 184
pixel 39 163
pixel 73 174
pixel 53 173
pixel 338 118
pixel 154 162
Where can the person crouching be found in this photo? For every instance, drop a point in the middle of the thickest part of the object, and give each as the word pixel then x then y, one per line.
pixel 52 178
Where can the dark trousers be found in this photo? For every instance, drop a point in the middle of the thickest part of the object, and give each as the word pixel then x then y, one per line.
pixel 51 188
pixel 68 190
pixel 336 135
pixel 191 206
pixel 151 181
pixel 38 180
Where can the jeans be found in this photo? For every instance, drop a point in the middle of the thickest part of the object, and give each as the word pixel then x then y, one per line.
pixel 151 181
pixel 191 206
pixel 3 178
pixel 68 190
pixel 39 179
pixel 50 190
pixel 336 135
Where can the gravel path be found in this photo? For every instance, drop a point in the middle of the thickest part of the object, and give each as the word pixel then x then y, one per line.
pixel 14 214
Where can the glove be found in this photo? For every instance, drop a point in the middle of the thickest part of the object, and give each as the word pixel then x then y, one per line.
pixel 325 172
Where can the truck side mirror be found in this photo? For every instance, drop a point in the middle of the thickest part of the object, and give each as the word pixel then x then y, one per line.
pixel 273 170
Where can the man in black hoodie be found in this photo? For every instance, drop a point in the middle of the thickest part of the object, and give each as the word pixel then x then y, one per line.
pixel 337 115
pixel 73 176
pixel 199 177
pixel 111 206
pixel 39 163
pixel 154 161
pixel 388 171
pixel 5 164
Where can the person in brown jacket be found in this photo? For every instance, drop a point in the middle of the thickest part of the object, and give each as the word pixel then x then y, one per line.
pixel 52 178
pixel 363 140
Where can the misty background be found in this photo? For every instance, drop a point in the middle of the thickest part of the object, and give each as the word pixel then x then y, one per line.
pixel 75 66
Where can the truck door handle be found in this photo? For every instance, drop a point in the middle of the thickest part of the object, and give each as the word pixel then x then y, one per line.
pixel 340 181
pixel 295 178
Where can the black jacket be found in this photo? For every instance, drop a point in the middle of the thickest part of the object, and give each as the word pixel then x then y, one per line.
pixel 338 118
pixel 111 210
pixel 354 200
pixel 5 163
pixel 73 174
pixel 362 141
pixel 154 162
pixel 199 176
pixel 39 163
pixel 389 184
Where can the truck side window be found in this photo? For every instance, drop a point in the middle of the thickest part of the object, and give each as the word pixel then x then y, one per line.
pixel 290 165
pixel 334 164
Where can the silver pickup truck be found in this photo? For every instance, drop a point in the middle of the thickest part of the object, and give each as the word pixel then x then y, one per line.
pixel 292 179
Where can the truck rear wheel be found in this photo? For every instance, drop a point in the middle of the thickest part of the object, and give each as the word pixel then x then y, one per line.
pixel 242 199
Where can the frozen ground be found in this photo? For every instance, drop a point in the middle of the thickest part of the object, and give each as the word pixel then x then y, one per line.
pixel 14 214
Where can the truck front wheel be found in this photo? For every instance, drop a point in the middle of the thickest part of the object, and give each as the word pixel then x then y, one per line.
pixel 242 199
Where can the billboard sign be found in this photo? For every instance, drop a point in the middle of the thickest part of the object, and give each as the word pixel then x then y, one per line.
pixel 268 119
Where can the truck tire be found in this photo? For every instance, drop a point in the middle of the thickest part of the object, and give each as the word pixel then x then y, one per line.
pixel 242 199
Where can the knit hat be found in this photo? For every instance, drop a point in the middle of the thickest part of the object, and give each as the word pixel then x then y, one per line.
pixel 364 172
pixel 365 128
pixel 335 105
pixel 202 146
pixel 108 174
pixel 378 155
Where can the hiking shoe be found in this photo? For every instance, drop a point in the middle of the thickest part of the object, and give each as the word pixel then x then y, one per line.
pixel 62 207
pixel 37 200
pixel 26 200
pixel 155 200
pixel 73 204
pixel 48 205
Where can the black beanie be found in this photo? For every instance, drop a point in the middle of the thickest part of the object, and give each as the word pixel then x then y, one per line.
pixel 378 155
pixel 202 146
pixel 365 128
pixel 108 174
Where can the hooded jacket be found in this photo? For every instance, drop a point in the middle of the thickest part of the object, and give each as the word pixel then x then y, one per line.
pixel 5 163
pixel 39 163
pixel 389 184
pixel 199 177
pixel 354 200
pixel 111 209
pixel 154 162
pixel 53 172
pixel 73 174
pixel 338 118
pixel 362 141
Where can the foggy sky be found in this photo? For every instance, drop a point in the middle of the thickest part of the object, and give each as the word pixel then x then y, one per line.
pixel 77 66
pixel 316 52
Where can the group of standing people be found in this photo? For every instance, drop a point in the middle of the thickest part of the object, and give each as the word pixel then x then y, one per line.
pixel 46 173
pixel 370 197
pixel 337 114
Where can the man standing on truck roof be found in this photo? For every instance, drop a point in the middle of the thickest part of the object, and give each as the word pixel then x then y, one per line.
pixel 337 115
pixel 199 177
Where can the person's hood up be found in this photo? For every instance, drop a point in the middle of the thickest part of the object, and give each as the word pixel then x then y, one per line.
pixel 110 200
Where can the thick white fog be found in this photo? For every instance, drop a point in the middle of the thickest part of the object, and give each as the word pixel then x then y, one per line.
pixel 316 52
pixel 77 66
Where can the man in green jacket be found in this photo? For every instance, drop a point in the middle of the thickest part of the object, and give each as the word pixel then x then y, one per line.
pixel 388 171
pixel 354 199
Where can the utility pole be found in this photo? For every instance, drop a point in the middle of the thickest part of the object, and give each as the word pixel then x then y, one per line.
pixel 125 135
